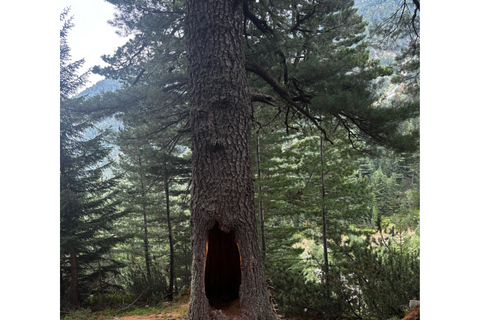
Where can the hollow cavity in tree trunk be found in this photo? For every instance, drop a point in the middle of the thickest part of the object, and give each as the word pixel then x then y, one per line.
pixel 223 268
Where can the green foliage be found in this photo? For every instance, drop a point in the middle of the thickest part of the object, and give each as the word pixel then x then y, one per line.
pixel 395 183
pixel 81 314
pixel 88 203
pixel 295 296
pixel 372 275
pixel 358 193
pixel 399 30
pixel 309 58
pixel 147 166
pixel 386 271
pixel 138 284
pixel 101 87
pixel 70 81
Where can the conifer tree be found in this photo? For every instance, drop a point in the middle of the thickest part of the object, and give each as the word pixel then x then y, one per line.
pixel 279 185
pixel 88 205
pixel 139 192
pixel 302 210
pixel 155 175
pixel 379 181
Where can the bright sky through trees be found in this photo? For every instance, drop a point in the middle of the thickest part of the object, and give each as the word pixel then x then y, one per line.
pixel 92 36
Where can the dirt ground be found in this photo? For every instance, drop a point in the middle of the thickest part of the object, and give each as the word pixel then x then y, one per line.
pixel 230 309
pixel 179 312
pixel 159 316
pixel 413 315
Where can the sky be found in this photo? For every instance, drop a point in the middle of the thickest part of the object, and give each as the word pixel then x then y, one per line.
pixel 92 36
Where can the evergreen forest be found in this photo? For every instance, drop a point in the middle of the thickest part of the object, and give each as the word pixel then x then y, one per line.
pixel 334 155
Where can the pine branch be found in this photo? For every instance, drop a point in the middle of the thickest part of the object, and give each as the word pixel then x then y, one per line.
pixel 260 24
pixel 262 73
pixel 302 20
pixel 417 4
pixel 138 77
pixel 260 97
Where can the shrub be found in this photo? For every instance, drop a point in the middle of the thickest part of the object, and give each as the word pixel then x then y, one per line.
pixel 387 275
pixel 138 284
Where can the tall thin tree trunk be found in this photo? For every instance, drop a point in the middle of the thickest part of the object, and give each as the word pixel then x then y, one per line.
pixel 223 223
pixel 259 197
pixel 73 292
pixel 170 233
pixel 324 220
pixel 145 223
pixel 101 279
pixel 74 296
pixel 146 242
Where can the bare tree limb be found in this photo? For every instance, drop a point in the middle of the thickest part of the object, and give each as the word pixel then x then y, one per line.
pixel 260 97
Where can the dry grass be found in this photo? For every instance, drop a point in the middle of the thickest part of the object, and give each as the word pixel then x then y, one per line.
pixel 176 310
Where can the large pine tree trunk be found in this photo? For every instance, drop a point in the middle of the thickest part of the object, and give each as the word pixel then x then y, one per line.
pixel 226 257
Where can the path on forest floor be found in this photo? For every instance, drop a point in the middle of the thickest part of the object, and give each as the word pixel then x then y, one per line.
pixel 178 312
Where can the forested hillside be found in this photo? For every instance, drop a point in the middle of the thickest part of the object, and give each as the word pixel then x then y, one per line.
pixel 332 115
pixel 101 87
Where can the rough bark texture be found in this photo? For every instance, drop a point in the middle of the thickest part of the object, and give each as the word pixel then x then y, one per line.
pixel 222 187
pixel 260 199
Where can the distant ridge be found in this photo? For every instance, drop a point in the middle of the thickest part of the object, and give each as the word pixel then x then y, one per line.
pixel 101 87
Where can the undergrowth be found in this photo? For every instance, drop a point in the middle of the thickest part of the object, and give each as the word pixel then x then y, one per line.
pixel 140 309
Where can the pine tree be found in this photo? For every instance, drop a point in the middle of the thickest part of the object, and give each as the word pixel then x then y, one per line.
pixel 222 204
pixel 380 189
pixel 282 222
pixel 88 205
pixel 305 213
pixel 155 175
pixel 139 194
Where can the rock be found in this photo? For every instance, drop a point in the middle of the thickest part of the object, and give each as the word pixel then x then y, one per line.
pixel 413 304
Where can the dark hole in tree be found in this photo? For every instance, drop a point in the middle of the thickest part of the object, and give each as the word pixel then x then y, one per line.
pixel 223 270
